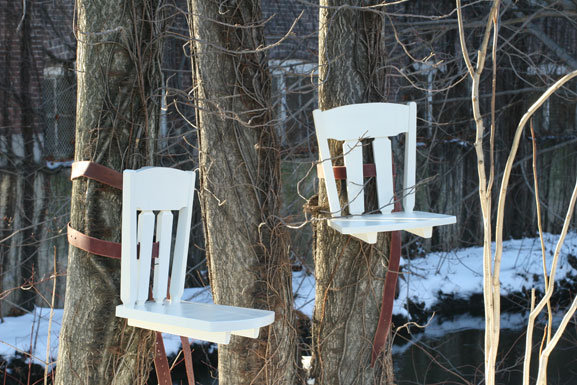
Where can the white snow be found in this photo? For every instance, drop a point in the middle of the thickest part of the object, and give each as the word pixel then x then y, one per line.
pixel 460 272
pixel 304 292
pixel 28 334
pixel 457 272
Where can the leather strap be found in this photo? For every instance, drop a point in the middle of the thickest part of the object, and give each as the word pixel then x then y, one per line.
pixel 97 172
pixel 161 362
pixel 369 170
pixel 109 177
pixel 187 359
pixel 389 288
pixel 93 245
pixel 100 246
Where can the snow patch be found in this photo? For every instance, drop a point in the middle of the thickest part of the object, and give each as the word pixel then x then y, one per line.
pixel 460 272
pixel 304 292
pixel 28 334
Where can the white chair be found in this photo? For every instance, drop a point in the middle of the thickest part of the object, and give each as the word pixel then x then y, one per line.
pixel 150 195
pixel 379 121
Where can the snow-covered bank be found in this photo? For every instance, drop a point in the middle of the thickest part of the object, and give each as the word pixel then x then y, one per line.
pixel 28 334
pixel 459 274
pixel 427 281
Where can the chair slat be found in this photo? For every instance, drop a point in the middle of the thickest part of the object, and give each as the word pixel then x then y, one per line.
pixel 383 160
pixel 164 238
pixel 145 237
pixel 180 253
pixel 326 164
pixel 129 263
pixel 353 154
pixel 410 160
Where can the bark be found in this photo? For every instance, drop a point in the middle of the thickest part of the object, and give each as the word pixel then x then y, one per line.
pixel 349 273
pixel 118 75
pixel 239 177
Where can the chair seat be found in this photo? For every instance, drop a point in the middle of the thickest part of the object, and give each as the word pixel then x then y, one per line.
pixel 367 226
pixel 209 322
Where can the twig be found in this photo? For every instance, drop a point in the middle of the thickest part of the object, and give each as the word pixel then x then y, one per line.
pixel 19 27
pixel 46 366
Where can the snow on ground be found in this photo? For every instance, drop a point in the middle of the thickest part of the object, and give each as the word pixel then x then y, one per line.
pixel 28 334
pixel 458 272
pixel 304 292
pixel 19 334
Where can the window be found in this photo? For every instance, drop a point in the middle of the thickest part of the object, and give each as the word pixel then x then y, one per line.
pixel 294 93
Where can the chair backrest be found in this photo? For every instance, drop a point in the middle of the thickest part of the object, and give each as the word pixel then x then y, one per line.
pixel 353 123
pixel 149 196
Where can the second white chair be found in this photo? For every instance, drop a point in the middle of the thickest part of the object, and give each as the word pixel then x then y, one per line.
pixel 378 121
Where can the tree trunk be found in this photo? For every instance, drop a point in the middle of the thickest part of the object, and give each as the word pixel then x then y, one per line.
pixel 239 187
pixel 118 74
pixel 349 273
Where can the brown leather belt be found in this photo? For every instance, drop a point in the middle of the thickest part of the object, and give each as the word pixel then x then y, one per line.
pixel 161 361
pixel 187 359
pixel 389 288
pixel 109 249
pixel 105 176
pixel 93 245
pixel 100 246
pixel 96 172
